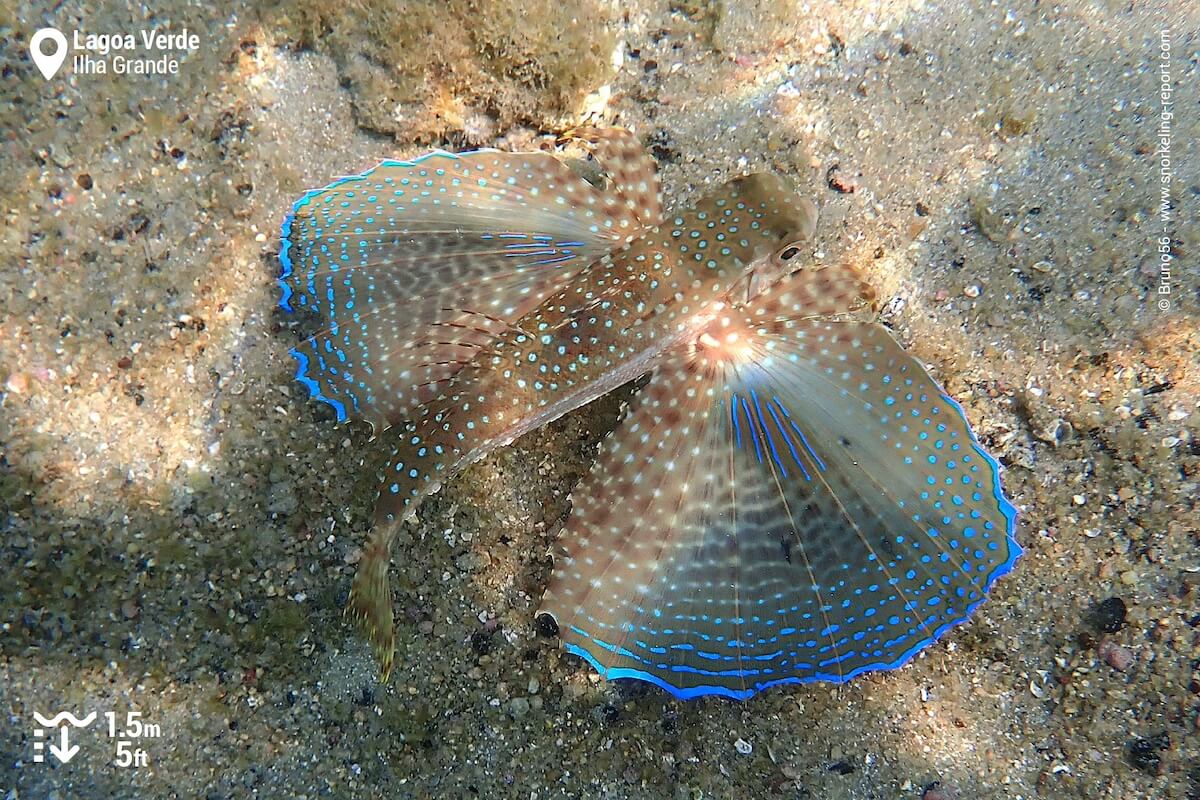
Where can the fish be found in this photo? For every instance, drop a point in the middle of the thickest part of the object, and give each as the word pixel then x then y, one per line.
pixel 761 515
pixel 598 332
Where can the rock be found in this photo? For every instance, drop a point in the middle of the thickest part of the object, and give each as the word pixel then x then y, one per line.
pixel 1109 615
pixel 1116 656
pixel 281 499
pixel 518 707
pixel 17 383
pixel 1146 754
pixel 938 791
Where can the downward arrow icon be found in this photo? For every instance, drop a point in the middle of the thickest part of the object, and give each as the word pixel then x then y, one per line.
pixel 64 751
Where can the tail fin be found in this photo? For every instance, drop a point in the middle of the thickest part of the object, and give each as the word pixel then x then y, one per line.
pixel 370 603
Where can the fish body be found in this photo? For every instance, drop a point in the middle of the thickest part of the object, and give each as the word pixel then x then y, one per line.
pixel 800 501
pixel 604 328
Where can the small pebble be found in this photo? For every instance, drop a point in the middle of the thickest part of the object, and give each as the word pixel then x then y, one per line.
pixel 972 291
pixel 545 625
pixel 835 181
pixel 743 747
pixel 17 383
pixel 938 791
pixel 1116 656
pixel 481 642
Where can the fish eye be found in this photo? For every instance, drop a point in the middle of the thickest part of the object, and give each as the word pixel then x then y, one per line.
pixel 788 253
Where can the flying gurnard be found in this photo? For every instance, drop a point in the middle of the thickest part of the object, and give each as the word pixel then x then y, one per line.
pixel 789 498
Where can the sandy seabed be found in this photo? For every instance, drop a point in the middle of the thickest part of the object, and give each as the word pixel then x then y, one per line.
pixel 180 522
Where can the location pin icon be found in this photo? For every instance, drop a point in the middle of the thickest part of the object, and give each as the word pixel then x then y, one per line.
pixel 48 63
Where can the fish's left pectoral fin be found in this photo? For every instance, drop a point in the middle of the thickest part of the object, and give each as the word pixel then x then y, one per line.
pixel 408 270
pixel 808 506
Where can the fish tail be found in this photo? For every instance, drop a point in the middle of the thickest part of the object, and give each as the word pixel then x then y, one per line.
pixel 370 602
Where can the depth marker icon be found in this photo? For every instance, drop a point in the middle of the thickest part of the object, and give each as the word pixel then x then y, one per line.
pixel 64 751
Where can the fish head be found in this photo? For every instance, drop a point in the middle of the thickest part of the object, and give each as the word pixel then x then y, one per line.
pixel 779 227
pixel 735 243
